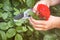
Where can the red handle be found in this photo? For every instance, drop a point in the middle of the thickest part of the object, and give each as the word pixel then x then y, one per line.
pixel 44 11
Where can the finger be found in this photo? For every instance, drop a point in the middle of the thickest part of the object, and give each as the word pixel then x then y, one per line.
pixel 34 10
pixel 42 22
pixel 39 26
pixel 35 25
pixel 35 7
pixel 41 29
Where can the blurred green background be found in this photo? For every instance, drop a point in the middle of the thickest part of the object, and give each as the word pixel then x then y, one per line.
pixel 22 30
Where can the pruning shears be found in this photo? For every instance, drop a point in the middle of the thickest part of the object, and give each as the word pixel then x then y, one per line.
pixel 42 10
pixel 24 15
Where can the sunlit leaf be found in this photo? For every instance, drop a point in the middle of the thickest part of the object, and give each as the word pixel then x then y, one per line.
pixel 21 29
pixel 3 26
pixel 10 33
pixel 3 35
pixel 7 5
pixel 18 37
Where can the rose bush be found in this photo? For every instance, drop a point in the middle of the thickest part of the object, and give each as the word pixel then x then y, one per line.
pixel 22 30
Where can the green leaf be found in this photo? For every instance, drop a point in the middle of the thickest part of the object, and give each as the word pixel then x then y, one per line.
pixel 21 29
pixel 0 14
pixel 24 0
pixel 31 29
pixel 20 22
pixel 10 14
pixel 57 31
pixel 34 15
pixel 5 15
pixel 10 24
pixel 50 37
pixel 3 36
pixel 10 38
pixel 18 37
pixel 15 3
pixel 38 35
pixel 29 33
pixel 1 10
pixel 7 5
pixel 16 11
pixel 23 9
pixel 10 33
pixel 30 3
pixel 3 26
pixel 24 29
pixel 1 5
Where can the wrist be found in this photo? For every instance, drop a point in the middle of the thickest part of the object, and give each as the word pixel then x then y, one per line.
pixel 55 21
pixel 54 2
pixel 58 22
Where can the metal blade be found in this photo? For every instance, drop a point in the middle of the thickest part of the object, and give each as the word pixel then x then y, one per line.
pixel 19 16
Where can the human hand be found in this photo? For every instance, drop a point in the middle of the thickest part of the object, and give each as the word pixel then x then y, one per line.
pixel 47 3
pixel 52 22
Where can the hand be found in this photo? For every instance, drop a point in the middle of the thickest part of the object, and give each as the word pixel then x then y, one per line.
pixel 53 22
pixel 45 2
